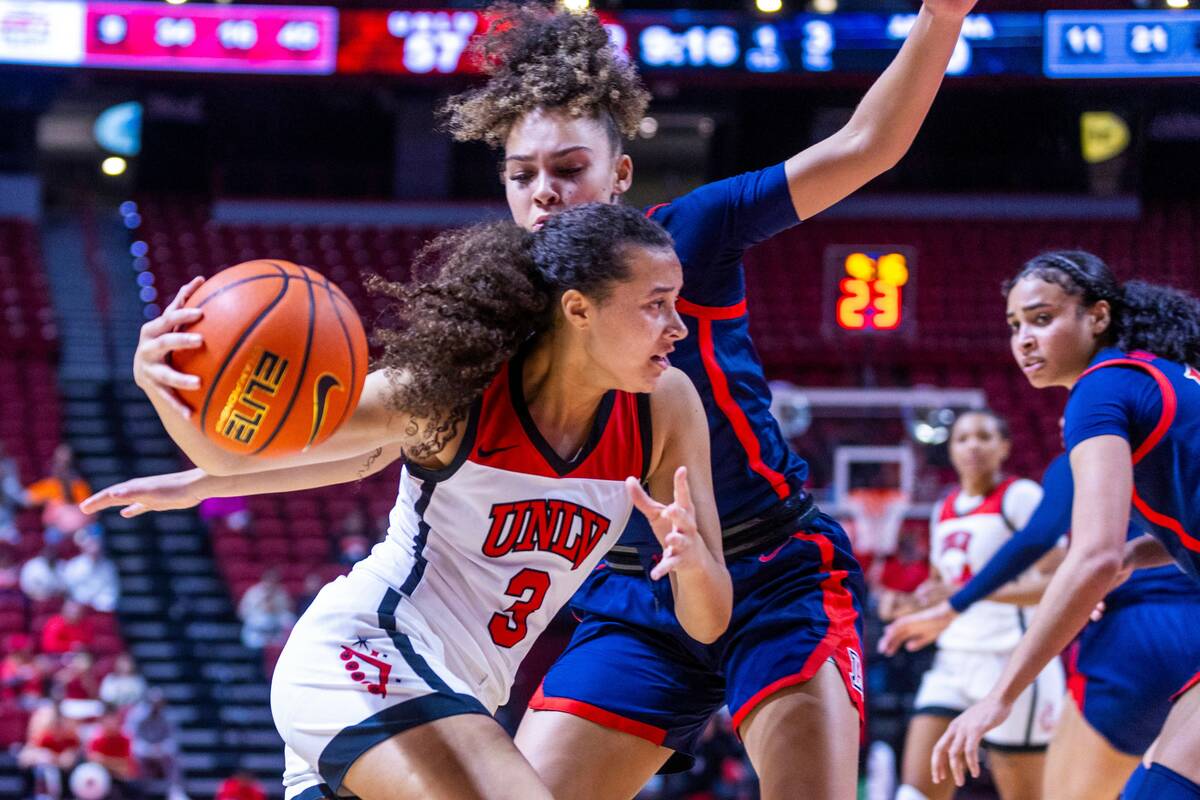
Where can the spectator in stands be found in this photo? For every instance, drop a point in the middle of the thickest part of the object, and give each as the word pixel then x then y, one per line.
pixel 91 578
pixel 59 495
pixel 123 686
pixel 234 512
pixel 23 675
pixel 154 744
pixel 12 497
pixel 41 576
pixel 67 630
pixel 242 785
pixel 51 751
pixel 266 611
pixel 77 688
pixel 354 540
pixel 312 586
pixel 10 572
pixel 112 749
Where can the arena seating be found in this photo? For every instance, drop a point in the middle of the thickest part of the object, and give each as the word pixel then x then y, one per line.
pixel 959 314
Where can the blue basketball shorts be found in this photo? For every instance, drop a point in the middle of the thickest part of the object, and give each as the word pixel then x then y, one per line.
pixel 631 667
pixel 1126 669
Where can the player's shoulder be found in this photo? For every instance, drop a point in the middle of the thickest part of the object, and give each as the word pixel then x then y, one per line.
pixel 675 393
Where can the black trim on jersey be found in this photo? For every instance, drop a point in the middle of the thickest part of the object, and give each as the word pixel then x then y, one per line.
pixel 938 711
pixel 387 621
pixel 312 321
pixel 1014 748
pixel 322 791
pixel 464 451
pixel 560 465
pixel 352 742
pixel 646 430
pixel 419 541
pixel 1033 700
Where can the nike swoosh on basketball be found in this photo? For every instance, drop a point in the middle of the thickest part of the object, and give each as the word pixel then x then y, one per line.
pixel 321 389
pixel 489 453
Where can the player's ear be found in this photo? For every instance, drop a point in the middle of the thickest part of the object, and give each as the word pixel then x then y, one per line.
pixel 576 309
pixel 1101 317
pixel 623 175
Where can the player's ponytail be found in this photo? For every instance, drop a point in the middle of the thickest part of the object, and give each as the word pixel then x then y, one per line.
pixel 479 293
pixel 1145 316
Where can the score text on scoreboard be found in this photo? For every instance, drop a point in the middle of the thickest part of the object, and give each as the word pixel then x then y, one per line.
pixel 870 289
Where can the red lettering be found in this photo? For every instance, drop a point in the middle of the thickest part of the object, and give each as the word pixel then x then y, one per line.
pixel 538 532
pixel 496 545
pixel 592 531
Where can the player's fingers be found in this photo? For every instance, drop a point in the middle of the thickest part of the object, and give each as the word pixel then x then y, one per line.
pixel 971 752
pixel 642 501
pixel 173 402
pixel 105 498
pixel 184 293
pixel 955 756
pixel 681 520
pixel 163 375
pixel 892 638
pixel 666 564
pixel 683 492
pixel 158 347
pixel 937 760
pixel 1098 611
pixel 169 320
pixel 133 510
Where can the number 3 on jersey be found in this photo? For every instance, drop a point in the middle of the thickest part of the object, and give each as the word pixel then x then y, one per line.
pixel 529 586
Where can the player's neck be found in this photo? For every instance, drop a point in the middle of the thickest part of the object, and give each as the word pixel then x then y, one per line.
pixel 560 391
pixel 979 485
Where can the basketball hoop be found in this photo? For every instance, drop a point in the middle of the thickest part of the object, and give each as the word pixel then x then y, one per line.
pixel 877 514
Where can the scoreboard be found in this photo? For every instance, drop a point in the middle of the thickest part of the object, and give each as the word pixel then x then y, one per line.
pixel 870 289
pixel 1134 44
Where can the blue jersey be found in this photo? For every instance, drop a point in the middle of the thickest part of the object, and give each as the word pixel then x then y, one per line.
pixel 1049 522
pixel 1154 404
pixel 753 467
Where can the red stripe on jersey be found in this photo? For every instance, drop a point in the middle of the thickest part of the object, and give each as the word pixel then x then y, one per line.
pixel 1191 684
pixel 1170 404
pixel 992 504
pixel 503 442
pixel 839 637
pixel 600 716
pixel 650 211
pixel 720 388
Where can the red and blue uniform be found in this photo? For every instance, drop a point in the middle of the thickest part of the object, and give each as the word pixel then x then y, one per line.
pixel 1149 622
pixel 1155 405
pixel 797 587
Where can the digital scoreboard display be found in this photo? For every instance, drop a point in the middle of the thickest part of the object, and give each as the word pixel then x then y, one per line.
pixel 990 44
pixel 153 36
pixel 870 289
pixel 1119 44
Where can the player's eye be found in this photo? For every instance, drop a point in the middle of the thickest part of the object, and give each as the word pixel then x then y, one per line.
pixel 521 177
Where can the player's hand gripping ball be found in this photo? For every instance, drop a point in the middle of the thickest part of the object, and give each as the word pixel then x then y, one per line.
pixel 283 359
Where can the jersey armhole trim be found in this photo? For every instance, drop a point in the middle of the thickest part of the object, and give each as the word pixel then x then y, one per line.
pixel 464 451
pixel 646 433
pixel 1169 401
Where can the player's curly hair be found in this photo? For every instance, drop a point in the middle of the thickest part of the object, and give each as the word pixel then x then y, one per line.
pixel 539 57
pixel 479 293
pixel 1145 316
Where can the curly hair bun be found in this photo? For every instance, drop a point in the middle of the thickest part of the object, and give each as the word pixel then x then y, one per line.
pixel 537 57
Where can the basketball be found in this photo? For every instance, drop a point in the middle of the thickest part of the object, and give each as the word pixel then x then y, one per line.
pixel 283 361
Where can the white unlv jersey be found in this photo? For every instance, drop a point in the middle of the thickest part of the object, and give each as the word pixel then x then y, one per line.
pixel 492 546
pixel 965 533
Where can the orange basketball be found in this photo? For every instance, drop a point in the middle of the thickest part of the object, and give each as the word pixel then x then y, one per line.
pixel 283 361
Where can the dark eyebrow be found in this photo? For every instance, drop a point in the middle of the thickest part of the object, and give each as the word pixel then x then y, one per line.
pixel 660 290
pixel 1029 307
pixel 555 154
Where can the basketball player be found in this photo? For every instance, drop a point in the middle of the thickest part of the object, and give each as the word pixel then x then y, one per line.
pixel 1132 424
pixel 967 527
pixel 515 394
pixel 558 102
pixel 1124 668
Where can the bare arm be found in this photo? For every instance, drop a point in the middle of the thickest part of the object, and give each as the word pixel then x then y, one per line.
pixel 188 488
pixel 1029 589
pixel 886 121
pixel 1145 552
pixel 1103 473
pixel 683 512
